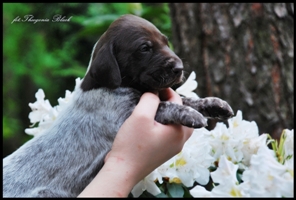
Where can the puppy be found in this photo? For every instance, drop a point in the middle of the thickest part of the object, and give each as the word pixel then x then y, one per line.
pixel 130 58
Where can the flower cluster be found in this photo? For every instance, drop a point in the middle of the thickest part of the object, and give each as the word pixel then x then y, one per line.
pixel 236 160
pixel 228 161
pixel 43 114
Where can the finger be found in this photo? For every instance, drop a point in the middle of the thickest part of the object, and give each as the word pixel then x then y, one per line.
pixel 187 132
pixel 169 94
pixel 147 105
pixel 173 130
pixel 175 135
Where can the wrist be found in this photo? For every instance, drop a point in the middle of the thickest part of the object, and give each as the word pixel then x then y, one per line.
pixel 115 179
pixel 123 170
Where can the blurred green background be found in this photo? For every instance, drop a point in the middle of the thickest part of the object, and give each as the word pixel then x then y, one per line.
pixel 51 55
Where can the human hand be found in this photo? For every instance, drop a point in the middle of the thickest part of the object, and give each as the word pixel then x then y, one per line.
pixel 140 146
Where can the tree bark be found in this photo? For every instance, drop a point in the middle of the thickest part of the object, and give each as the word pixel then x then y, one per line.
pixel 242 53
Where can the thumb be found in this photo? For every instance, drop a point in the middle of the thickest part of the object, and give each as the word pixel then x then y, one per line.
pixel 148 104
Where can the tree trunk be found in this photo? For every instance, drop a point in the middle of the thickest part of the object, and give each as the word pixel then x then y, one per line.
pixel 242 53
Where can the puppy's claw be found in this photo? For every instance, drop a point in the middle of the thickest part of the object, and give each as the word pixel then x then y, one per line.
pixel 222 112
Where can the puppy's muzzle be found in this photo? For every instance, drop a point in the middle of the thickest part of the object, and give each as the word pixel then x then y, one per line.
pixel 178 68
pixel 175 64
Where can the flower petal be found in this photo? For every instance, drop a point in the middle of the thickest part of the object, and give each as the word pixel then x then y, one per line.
pixel 187 88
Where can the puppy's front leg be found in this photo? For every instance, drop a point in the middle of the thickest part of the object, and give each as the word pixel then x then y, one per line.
pixel 210 107
pixel 171 113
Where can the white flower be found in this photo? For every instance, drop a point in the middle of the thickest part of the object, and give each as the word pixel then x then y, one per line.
pixel 199 191
pixel 64 101
pixel 226 172
pixel 44 123
pixel 187 88
pixel 40 108
pixel 179 169
pixel 200 150
pixel 288 143
pixel 191 164
pixel 228 186
pixel 247 134
pixel 78 82
pixel 238 142
pixel 250 147
pixel 242 129
pixel 34 131
pixel 44 113
pixel 148 183
pixel 266 177
pixel 199 147
pixel 223 141
pixel 228 189
pixel 289 154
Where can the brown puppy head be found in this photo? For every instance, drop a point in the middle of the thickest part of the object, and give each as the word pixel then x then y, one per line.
pixel 133 53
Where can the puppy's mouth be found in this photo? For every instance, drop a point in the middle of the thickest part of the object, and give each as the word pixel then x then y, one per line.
pixel 161 79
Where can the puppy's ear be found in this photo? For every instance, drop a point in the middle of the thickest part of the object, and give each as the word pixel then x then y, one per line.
pixel 103 71
pixel 104 68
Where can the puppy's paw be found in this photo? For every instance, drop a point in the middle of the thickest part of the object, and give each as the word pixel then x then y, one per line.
pixel 171 113
pixel 213 107
pixel 210 107
pixel 192 118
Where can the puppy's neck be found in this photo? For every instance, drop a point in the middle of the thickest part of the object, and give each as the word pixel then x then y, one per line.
pixel 126 82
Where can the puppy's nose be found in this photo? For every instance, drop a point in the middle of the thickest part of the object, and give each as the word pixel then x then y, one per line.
pixel 177 68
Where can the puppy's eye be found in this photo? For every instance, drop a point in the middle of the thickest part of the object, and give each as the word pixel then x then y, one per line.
pixel 145 48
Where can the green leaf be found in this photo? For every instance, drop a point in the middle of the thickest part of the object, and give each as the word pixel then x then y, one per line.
pixel 175 190
pixel 186 192
pixel 146 194
pixel 239 175
pixel 161 195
